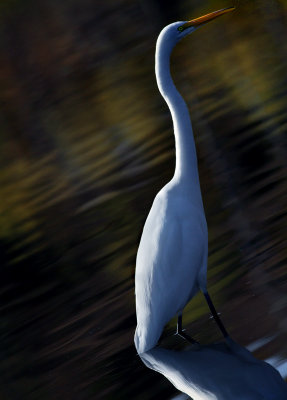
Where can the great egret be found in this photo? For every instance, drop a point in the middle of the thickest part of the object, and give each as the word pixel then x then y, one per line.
pixel 171 261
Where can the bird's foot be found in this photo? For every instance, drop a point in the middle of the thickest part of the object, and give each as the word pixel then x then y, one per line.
pixel 179 332
pixel 186 337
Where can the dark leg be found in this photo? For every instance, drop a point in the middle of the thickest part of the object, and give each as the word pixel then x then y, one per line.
pixel 215 315
pixel 180 332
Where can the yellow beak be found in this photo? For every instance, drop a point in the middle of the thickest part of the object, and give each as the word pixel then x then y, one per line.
pixel 206 18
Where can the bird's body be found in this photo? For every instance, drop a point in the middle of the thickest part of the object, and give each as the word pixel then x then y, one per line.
pixel 173 276
pixel 172 256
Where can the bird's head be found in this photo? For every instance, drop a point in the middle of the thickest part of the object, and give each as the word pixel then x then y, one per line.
pixel 173 33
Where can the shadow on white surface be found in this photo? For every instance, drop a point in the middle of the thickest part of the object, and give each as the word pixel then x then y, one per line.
pixel 218 372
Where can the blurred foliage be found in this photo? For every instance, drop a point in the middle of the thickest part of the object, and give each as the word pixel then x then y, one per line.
pixel 87 142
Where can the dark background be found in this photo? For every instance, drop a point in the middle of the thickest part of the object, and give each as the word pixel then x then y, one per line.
pixel 86 143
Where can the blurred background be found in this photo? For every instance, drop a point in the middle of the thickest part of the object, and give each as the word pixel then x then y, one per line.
pixel 87 142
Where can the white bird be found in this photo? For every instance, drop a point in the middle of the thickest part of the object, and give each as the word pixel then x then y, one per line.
pixel 171 262
pixel 218 371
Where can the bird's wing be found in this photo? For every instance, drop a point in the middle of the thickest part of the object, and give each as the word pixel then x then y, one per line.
pixel 169 258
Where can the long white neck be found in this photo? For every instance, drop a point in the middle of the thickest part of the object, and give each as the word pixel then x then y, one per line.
pixel 186 170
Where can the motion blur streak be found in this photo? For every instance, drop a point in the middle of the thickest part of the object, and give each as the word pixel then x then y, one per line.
pixel 83 153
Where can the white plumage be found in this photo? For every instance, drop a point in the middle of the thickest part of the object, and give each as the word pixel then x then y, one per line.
pixel 218 372
pixel 172 256
pixel 171 263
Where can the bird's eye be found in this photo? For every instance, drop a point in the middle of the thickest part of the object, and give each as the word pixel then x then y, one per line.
pixel 180 28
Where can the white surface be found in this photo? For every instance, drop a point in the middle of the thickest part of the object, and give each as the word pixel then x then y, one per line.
pixel 279 364
pixel 260 343
pixel 218 372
